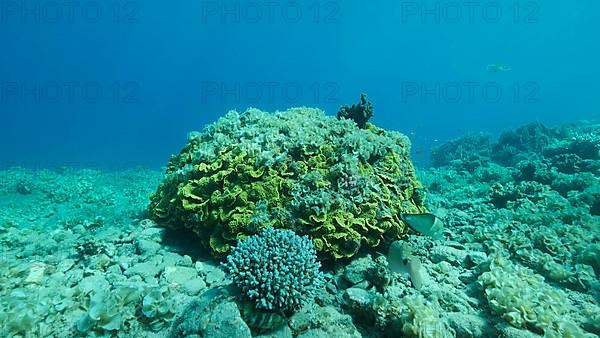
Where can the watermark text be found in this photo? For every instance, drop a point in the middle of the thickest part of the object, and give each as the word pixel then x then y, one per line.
pixel 269 12
pixel 470 92
pixel 270 91
pixel 69 11
pixel 470 12
pixel 69 92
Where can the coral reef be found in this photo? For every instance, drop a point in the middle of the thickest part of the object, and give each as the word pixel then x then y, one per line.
pixel 564 159
pixel 532 209
pixel 469 151
pixel 343 186
pixel 519 255
pixel 107 310
pixel 159 306
pixel 523 299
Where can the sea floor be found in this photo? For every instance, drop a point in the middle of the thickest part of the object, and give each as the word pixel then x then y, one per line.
pixel 520 257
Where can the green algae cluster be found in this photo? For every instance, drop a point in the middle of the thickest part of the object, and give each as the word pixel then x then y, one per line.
pixel 341 185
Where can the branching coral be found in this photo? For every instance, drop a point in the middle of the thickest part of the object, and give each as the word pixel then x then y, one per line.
pixel 276 269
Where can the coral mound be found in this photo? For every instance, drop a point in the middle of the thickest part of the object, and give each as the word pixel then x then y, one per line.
pixel 341 185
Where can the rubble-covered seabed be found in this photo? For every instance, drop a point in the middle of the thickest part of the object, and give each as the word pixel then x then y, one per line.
pixel 520 255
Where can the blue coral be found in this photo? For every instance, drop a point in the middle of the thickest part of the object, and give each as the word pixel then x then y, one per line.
pixel 276 269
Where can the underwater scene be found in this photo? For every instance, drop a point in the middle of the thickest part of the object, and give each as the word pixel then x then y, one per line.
pixel 283 169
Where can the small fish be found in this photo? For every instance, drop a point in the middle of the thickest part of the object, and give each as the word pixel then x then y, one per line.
pixel 399 254
pixel 401 261
pixel 258 320
pixel 498 68
pixel 425 223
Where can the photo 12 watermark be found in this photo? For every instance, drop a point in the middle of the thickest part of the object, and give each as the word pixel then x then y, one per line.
pixel 69 92
pixel 270 12
pixel 270 92
pixel 470 12
pixel 69 11
pixel 67 170
pixel 470 92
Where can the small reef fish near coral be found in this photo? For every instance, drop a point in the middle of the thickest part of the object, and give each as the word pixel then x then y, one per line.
pixel 498 68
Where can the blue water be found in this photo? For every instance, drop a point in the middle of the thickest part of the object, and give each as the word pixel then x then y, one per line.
pixel 165 69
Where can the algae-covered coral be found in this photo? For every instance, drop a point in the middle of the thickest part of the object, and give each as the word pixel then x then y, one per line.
pixel 341 185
